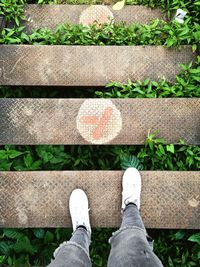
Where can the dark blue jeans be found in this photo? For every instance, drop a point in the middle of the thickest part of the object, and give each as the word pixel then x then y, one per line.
pixel 130 246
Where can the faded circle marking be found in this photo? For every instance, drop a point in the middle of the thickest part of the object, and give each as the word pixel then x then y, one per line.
pixel 96 14
pixel 98 121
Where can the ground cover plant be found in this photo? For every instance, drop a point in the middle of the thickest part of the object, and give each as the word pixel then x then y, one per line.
pixel 24 246
pixel 187 84
pixel 153 155
pixel 158 32
pixel 35 246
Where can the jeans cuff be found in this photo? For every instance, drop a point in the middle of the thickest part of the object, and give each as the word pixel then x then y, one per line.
pixel 71 243
pixel 79 246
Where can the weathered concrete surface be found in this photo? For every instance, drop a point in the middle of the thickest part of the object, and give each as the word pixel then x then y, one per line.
pixel 52 15
pixel 65 121
pixel 40 199
pixel 88 65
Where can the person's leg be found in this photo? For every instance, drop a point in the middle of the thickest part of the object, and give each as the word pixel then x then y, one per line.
pixel 130 245
pixel 76 251
pixel 131 217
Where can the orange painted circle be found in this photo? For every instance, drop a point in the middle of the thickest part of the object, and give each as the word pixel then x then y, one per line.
pixel 98 121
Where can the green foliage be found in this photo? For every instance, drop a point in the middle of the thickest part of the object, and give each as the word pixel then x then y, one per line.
pixel 153 155
pixel 13 10
pixel 35 246
pixel 175 250
pixel 187 85
pixel 74 2
pixel 47 92
pixel 195 238
pixel 192 7
pixel 131 161
pixel 170 6
pixel 157 32
pixel 24 246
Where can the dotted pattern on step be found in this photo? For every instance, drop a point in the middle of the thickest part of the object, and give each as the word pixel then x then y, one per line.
pixel 89 65
pixel 54 121
pixel 40 199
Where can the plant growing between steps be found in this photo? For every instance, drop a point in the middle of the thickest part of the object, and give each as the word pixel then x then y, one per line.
pixel 153 155
pixel 158 32
pixel 13 10
pixel 182 246
pixel 187 85
pixel 131 161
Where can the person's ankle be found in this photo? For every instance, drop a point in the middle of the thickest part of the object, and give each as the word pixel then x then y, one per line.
pixel 130 204
pixel 82 227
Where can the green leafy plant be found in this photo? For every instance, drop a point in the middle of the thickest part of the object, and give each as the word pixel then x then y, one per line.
pixel 195 238
pixel 187 85
pixel 153 155
pixel 174 249
pixel 158 32
pixel 131 161
pixel 19 247
pixel 13 10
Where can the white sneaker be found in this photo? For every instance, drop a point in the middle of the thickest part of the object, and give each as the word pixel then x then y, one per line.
pixel 78 206
pixel 131 187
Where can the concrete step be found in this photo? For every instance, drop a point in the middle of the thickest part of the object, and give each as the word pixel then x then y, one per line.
pixel 98 121
pixel 40 199
pixel 89 65
pixel 51 16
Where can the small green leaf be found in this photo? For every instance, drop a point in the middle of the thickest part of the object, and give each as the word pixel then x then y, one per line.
pixel 12 233
pixel 28 160
pixel 3 154
pixel 194 47
pixel 170 148
pixel 39 233
pixel 131 161
pixel 23 244
pixel 48 238
pixel 17 21
pixel 161 149
pixel 13 153
pixel 5 247
pixel 179 235
pixel 195 238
